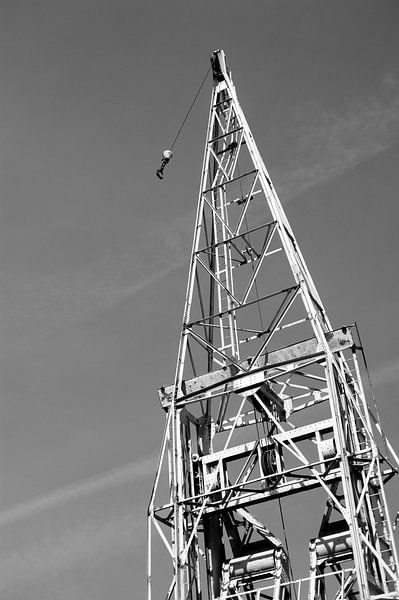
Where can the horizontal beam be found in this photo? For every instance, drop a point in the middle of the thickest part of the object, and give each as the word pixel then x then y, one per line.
pixel 255 497
pixel 283 490
pixel 236 237
pixel 218 185
pixel 241 380
pixel 298 435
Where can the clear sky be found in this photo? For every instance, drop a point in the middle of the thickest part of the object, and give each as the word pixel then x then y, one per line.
pixel 94 247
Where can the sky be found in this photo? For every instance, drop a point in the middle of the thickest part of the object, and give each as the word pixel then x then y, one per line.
pixel 94 248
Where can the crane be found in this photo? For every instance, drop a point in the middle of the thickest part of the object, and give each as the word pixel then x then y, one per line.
pixel 268 409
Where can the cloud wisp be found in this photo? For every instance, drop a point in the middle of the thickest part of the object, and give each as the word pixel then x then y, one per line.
pixel 72 528
pixel 43 559
pixel 330 143
pixel 77 491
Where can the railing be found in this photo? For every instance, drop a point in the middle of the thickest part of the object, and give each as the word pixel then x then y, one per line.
pixel 299 589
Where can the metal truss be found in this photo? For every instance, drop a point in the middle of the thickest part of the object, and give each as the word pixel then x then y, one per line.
pixel 267 404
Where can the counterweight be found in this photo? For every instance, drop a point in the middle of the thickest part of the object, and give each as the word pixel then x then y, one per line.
pixel 267 406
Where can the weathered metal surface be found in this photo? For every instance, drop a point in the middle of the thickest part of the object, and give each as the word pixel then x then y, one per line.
pixel 338 340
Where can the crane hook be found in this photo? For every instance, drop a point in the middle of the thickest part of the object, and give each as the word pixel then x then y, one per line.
pixel 166 156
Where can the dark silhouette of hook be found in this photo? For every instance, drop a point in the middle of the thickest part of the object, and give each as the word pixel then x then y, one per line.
pixel 166 156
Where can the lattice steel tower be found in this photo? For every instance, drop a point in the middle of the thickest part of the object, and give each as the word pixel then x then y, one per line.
pixel 267 409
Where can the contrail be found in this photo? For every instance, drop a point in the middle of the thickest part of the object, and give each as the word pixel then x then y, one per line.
pixel 328 144
pixel 81 489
